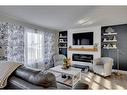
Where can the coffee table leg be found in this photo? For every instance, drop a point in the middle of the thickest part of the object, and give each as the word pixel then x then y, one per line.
pixel 72 82
pixel 80 76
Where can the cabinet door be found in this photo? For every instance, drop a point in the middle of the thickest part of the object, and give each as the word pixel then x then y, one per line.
pixel 63 51
pixel 122 45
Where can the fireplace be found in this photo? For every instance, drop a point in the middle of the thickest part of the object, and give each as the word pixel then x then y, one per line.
pixel 82 57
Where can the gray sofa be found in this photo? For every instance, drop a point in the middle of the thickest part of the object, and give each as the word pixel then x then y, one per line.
pixel 26 78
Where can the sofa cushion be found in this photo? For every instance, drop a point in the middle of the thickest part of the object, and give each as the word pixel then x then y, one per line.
pixel 99 62
pixel 18 83
pixel 39 78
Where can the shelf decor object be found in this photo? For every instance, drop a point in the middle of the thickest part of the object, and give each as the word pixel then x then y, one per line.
pixel 109 30
pixel 95 45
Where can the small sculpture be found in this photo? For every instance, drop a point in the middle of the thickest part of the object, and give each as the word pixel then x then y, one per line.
pixel 109 30
pixel 95 45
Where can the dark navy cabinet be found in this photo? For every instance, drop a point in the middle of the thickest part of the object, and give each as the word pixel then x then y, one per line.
pixel 119 54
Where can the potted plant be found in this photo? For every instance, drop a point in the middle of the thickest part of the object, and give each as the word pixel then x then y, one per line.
pixel 67 63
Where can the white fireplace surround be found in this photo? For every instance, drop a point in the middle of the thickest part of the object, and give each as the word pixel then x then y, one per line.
pixel 96 39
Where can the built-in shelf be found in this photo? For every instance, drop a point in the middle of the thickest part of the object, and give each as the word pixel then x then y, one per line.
pixel 63 37
pixel 109 47
pixel 62 47
pixel 110 41
pixel 66 81
pixel 110 34
pixel 83 49
pixel 62 42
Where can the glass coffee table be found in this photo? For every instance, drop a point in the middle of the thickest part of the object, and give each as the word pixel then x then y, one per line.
pixel 73 75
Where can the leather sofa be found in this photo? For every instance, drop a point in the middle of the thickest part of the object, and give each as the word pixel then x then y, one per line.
pixel 26 78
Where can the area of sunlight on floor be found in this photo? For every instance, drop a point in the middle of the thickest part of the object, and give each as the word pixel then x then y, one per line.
pixel 98 82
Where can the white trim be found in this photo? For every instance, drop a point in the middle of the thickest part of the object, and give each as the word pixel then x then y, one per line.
pixel 25 50
pixel 120 71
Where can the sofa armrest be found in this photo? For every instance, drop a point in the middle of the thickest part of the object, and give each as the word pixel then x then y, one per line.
pixel 108 67
pixel 18 83
pixel 39 78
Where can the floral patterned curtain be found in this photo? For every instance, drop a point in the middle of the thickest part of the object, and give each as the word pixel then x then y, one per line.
pixel 15 47
pixel 12 41
pixel 4 38
pixel 51 44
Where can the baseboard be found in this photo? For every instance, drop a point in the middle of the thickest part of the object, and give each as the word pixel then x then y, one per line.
pixel 120 71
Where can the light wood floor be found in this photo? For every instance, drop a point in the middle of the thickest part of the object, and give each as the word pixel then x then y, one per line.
pixel 97 82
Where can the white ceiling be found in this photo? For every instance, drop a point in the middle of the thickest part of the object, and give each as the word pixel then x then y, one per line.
pixel 66 17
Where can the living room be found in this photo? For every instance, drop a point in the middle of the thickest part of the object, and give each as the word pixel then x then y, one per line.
pixel 63 47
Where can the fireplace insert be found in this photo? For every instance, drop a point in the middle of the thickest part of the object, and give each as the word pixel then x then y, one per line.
pixel 82 57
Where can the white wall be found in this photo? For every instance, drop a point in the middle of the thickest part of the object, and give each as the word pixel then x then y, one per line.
pixel 97 39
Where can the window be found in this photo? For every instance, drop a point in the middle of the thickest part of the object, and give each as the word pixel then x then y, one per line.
pixel 34 47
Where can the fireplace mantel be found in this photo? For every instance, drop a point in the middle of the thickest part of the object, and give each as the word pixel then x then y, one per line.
pixel 83 49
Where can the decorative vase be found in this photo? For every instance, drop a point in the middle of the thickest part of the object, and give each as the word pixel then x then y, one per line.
pixel 67 63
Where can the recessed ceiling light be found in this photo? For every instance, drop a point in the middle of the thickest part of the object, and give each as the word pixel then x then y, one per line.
pixel 84 20
pixel 88 23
